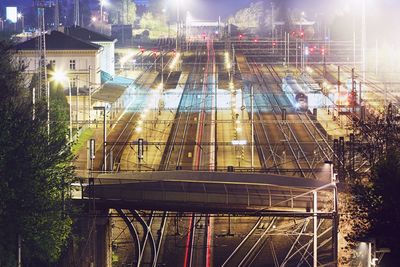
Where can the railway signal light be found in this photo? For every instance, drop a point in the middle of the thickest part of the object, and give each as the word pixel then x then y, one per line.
pixel 140 149
pixel 240 36
pixel 142 50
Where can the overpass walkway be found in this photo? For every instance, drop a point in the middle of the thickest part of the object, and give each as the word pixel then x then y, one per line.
pixel 210 192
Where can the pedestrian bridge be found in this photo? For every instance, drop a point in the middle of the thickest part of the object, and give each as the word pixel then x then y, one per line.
pixel 209 192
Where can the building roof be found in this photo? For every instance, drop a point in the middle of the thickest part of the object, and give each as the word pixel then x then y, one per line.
pixel 88 35
pixel 58 41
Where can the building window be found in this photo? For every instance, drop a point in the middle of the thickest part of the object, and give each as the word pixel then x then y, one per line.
pixel 72 64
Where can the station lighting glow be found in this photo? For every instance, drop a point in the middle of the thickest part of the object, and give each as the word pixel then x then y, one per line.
pixel 174 61
pixel 125 58
pixel 59 76
pixel 239 142
pixel 227 61
pixel 231 86
pixel 309 70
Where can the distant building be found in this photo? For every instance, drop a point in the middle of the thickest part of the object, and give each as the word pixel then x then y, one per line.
pixel 107 58
pixel 78 58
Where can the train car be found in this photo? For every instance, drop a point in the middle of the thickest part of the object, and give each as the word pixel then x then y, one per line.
pixel 295 93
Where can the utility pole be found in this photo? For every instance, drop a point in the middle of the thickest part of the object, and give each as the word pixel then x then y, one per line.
pixel 363 39
pixel 252 125
pixel 177 25
pixel 104 109
pixel 315 229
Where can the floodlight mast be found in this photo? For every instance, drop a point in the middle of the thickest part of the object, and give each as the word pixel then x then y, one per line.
pixel 42 90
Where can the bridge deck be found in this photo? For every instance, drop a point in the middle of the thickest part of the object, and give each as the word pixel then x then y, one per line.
pixel 207 192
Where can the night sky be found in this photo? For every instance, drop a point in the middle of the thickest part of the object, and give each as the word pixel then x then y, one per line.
pixel 211 9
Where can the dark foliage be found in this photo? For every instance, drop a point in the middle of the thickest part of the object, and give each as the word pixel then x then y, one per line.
pixel 35 171
pixel 374 185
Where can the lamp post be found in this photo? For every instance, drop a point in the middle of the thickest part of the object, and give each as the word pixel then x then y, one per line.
pixel 102 3
pixel 363 38
pixel 20 16
pixel 162 70
pixel 178 2
pixel 104 108
pixel 335 223
pixel 252 125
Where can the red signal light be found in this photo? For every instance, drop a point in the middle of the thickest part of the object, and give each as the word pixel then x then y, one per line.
pixel 273 44
pixel 255 40
pixel 142 50
pixel 240 36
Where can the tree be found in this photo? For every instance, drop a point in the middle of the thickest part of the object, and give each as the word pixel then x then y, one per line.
pixel 251 17
pixel 373 201
pixel 122 12
pixel 35 171
pixel 153 23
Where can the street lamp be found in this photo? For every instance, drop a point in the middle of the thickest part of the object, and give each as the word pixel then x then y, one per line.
pixel 178 3
pixel 61 77
pixel 102 3
pixel 20 16
pixel 334 181
pixel 104 109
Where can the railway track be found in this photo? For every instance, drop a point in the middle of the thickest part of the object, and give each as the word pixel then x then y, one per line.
pixel 310 146
pixel 146 230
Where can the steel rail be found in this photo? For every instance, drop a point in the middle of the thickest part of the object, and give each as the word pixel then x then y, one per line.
pixel 304 156
pixel 262 81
